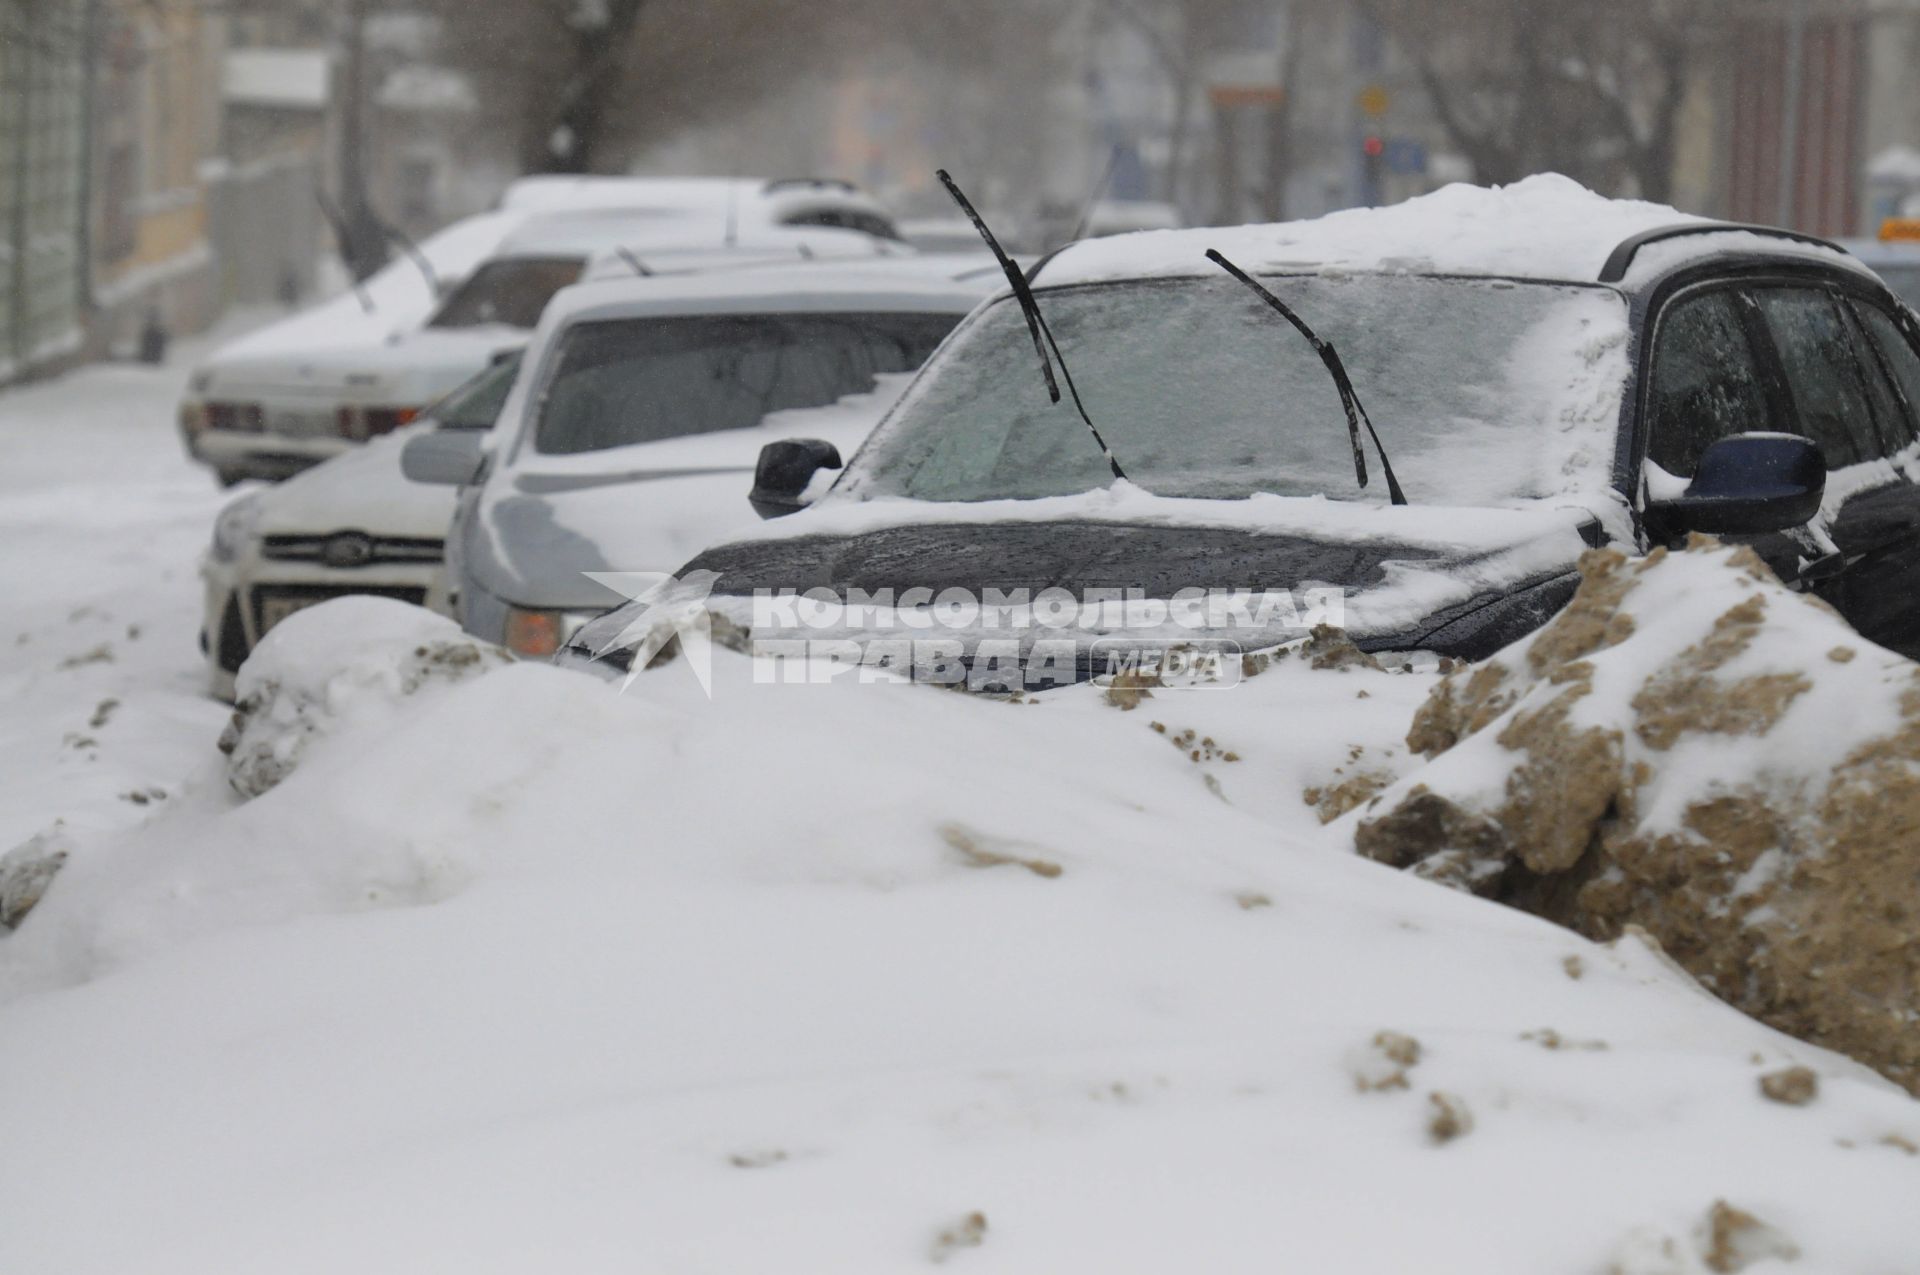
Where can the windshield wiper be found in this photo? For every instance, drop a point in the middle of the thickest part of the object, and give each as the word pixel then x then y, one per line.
pixel 1349 401
pixel 1036 324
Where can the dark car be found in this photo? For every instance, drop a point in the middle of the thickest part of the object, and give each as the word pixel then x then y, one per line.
pixel 1614 377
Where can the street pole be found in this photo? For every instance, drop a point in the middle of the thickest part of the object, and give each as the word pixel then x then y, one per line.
pixel 363 244
pixel 1784 206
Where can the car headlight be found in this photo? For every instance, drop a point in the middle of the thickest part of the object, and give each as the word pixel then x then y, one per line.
pixel 235 528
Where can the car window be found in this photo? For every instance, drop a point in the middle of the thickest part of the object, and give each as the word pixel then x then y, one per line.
pixel 625 381
pixel 1818 353
pixel 477 403
pixel 1706 382
pixel 1897 354
pixel 844 219
pixel 511 292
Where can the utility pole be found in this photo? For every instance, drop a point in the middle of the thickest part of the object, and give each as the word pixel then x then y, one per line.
pixel 1795 88
pixel 363 242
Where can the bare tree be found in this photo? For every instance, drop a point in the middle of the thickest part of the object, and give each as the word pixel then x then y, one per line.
pixel 581 85
pixel 1593 90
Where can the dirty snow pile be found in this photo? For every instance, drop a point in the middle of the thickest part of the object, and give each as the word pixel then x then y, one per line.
pixel 519 973
pixel 355 671
pixel 1693 749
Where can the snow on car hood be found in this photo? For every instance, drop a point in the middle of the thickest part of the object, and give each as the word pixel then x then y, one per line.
pixel 400 297
pixel 1396 566
pixel 359 490
pixel 544 521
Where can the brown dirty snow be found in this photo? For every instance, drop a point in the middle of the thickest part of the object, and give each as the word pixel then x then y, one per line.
pixel 1733 1239
pixel 974 848
pixel 1449 1119
pixel 1824 939
pixel 1792 1086
pixel 969 1232
pixel 1385 1062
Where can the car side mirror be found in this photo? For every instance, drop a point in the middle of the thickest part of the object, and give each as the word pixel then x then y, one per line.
pixel 443 457
pixel 785 471
pixel 1748 485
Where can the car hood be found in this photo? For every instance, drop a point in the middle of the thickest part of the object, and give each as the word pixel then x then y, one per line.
pixel 360 490
pixel 1400 572
pixel 402 370
pixel 544 522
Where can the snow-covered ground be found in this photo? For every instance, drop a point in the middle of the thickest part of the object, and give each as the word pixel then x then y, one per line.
pixel 102 520
pixel 517 973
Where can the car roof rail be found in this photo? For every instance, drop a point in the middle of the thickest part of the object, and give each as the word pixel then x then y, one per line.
pixel 811 183
pixel 1621 259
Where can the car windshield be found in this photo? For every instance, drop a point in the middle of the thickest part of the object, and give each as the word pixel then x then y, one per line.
pixel 477 404
pixel 1483 391
pixel 511 292
pixel 625 381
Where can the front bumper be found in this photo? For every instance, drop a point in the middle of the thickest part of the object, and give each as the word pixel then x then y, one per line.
pixel 239 454
pixel 245 598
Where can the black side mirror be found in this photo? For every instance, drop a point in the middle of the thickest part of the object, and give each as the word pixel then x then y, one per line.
pixel 1748 485
pixel 785 470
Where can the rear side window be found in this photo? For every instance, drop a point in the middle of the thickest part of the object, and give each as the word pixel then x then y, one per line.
pixel 1902 364
pixel 1706 383
pixel 511 292
pixel 1819 353
pixel 626 381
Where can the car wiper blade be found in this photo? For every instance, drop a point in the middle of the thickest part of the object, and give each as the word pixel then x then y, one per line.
pixel 1036 322
pixel 1349 400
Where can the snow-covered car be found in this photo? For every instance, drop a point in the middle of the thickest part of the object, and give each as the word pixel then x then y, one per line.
pixel 277 402
pixel 630 436
pixel 747 203
pixel 354 525
pixel 1548 371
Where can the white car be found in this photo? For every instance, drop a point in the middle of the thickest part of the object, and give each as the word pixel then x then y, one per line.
pixel 351 526
pixel 633 431
pixel 306 389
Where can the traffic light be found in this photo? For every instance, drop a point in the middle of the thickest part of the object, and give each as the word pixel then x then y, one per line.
pixel 1373 168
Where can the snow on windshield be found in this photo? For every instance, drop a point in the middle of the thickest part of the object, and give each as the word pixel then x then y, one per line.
pixel 1484 392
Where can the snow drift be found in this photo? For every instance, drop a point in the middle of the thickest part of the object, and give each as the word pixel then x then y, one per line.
pixel 519 973
pixel 347 661
pixel 1692 748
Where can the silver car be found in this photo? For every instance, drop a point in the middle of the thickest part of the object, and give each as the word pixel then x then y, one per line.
pixel 631 436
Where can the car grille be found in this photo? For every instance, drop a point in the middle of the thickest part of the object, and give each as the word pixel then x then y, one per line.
pixel 347 549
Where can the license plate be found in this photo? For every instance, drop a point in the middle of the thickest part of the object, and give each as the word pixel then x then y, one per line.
pixel 274 610
pixel 302 424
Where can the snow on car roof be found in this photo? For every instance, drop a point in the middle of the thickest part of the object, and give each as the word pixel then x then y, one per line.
pixel 1544 227
pixel 823 286
pixel 583 232
pixel 683 247
pixel 749 197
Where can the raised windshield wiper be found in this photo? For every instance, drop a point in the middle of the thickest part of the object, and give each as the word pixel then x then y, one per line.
pixel 1036 324
pixel 1349 401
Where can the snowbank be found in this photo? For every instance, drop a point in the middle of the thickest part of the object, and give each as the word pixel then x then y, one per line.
pixel 526 974
pixel 1692 748
pixel 345 663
